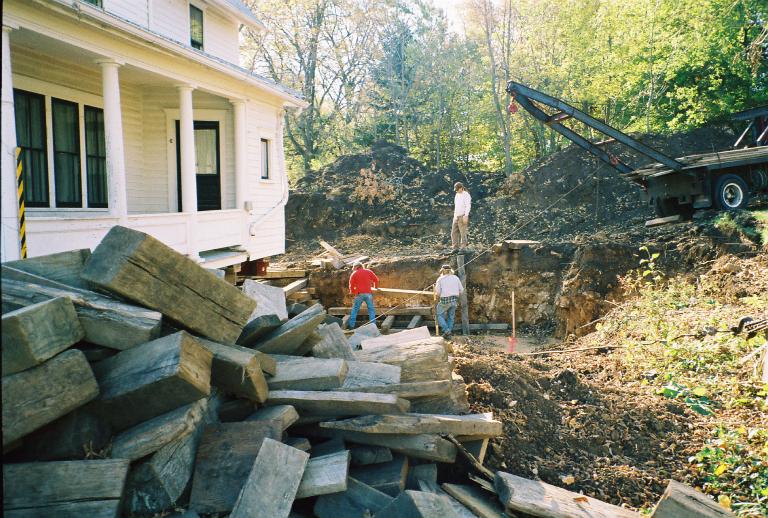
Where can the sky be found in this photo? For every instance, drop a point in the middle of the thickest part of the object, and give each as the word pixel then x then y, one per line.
pixel 451 8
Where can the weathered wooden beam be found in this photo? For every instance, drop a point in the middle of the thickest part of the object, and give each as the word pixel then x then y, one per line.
pixel 682 501
pixel 281 274
pixel 153 378
pixel 333 344
pixel 235 410
pixel 358 500
pixel 422 360
pixel 66 488
pixel 300 443
pixel 149 436
pixel 283 415
pixel 74 436
pixel 541 499
pixel 270 300
pixel 430 447
pixel 63 267
pixel 269 491
pixel 141 268
pixel 364 375
pixel 431 487
pixel 387 477
pixel 295 286
pixel 338 403
pixel 38 332
pixel 224 459
pixel 480 502
pixel 453 403
pixel 40 395
pixel 106 321
pixel 236 370
pixel 412 424
pixel 389 321
pixel 299 373
pixel 415 391
pixel 257 328
pixel 418 504
pixel 415 321
pixel 325 475
pixel 288 338
pixel 365 454
pixel 421 473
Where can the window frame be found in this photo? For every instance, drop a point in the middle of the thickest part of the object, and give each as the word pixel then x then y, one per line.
pixel 266 159
pixel 44 124
pixel 95 3
pixel 77 154
pixel 195 44
pixel 96 204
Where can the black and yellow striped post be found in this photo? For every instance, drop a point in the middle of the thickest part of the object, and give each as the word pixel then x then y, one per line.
pixel 20 194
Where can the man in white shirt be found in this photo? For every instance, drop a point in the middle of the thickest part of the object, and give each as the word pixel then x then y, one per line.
pixel 462 204
pixel 447 290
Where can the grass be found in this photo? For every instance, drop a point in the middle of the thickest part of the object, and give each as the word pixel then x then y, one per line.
pixel 761 216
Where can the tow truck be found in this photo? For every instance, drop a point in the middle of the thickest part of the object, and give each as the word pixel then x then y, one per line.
pixel 674 187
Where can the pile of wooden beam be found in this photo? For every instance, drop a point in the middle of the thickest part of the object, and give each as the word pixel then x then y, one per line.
pixel 135 382
pixel 333 258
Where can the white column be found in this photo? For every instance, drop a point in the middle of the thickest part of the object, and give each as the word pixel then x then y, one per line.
pixel 241 183
pixel 11 249
pixel 187 158
pixel 113 136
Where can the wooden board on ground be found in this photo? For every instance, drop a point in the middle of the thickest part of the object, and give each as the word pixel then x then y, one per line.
pixel 430 447
pixel 370 374
pixel 418 504
pixel 153 378
pixel 365 454
pixel 38 396
pixel 149 436
pixel 224 459
pixel 299 373
pixel 289 337
pixel 283 415
pixel 657 222
pixel 106 321
pixel 356 501
pixel 411 424
pixel 388 477
pixel 422 360
pixel 682 501
pixel 333 343
pixel 270 300
pixel 295 286
pixel 338 403
pixel 325 475
pixel 269 491
pixel 38 332
pixel 141 268
pixel 415 321
pixel 412 391
pixel 236 370
pixel 258 327
pixel 63 267
pixel 480 502
pixel 431 487
pixel 281 274
pixel 401 310
pixel 541 499
pixel 66 488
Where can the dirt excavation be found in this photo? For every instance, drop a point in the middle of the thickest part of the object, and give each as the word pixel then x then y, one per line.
pixel 629 369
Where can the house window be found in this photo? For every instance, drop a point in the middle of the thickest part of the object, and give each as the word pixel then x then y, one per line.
pixel 97 3
pixel 95 157
pixel 30 137
pixel 195 27
pixel 66 153
pixel 264 159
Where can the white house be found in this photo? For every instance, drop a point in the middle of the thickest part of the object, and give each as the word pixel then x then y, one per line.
pixel 136 112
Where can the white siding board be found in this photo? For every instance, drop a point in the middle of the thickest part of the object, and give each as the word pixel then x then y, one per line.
pixel 221 37
pixel 171 19
pixel 132 10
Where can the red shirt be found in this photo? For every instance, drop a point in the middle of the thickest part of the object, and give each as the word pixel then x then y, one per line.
pixel 361 281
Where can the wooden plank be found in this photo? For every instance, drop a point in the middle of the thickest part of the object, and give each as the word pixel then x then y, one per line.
pixel 149 436
pixel 295 286
pixel 413 424
pixel 281 274
pixel 300 443
pixel 268 363
pixel 418 504
pixel 338 403
pixel 657 222
pixel 106 321
pixel 411 335
pixel 388 477
pixel 364 375
pixel 235 410
pixel 63 267
pixel 283 415
pixel 269 491
pixel 430 447
pixel 682 501
pixel 541 499
pixel 462 273
pixel 333 344
pixel 364 454
pixel 431 487
pixel 389 320
pixel 270 300
pixel 38 332
pixel 412 391
pixel 325 475
pixel 153 378
pixel 478 448
pixel 328 447
pixel 331 250
pixel 396 291
pixel 455 402
pixel 423 360
pixel 257 328
pixel 40 395
pixel 358 500
pixel 421 472
pixel 413 310
pixel 415 321
pixel 65 488
pixel 236 370
pixel 289 337
pixel 224 459
pixel 298 373
pixel 480 502
pixel 143 269
pixel 156 483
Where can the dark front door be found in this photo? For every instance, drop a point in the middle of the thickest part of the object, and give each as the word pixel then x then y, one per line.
pixel 207 165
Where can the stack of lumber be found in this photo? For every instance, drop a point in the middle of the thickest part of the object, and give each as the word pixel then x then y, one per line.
pixel 136 383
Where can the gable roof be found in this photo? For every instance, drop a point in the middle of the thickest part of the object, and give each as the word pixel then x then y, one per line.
pixel 238 10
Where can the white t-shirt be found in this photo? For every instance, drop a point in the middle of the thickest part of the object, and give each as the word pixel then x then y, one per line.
pixel 448 286
pixel 462 203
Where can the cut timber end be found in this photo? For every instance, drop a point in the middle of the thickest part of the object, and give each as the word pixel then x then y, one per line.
pixel 682 501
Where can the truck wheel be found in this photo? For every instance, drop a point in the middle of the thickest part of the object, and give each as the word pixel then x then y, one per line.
pixel 731 193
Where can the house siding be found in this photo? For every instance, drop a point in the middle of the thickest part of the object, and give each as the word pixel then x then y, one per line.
pixel 131 10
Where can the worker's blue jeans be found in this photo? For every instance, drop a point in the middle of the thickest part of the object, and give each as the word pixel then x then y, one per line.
pixel 359 299
pixel 446 326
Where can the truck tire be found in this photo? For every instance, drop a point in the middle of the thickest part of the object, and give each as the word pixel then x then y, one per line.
pixel 730 193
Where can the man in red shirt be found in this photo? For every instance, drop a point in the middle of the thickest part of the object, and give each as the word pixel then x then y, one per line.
pixel 360 283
